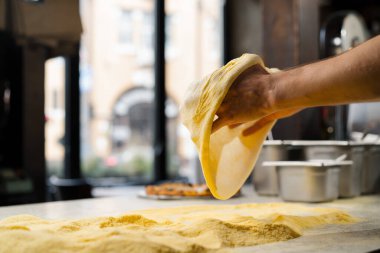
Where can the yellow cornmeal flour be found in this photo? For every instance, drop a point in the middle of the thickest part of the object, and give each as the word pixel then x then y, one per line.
pixel 182 229
pixel 227 157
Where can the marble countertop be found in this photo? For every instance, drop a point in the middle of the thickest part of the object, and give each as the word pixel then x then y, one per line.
pixel 361 237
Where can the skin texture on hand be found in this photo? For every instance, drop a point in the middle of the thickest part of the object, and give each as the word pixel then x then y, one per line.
pixel 255 95
pixel 250 98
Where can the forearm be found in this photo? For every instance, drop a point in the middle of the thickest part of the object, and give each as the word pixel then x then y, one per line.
pixel 351 77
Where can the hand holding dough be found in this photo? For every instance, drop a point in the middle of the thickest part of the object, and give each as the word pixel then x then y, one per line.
pixel 250 98
pixel 354 77
pixel 246 99
pixel 227 156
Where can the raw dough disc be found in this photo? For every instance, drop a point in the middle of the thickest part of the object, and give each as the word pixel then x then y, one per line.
pixel 227 157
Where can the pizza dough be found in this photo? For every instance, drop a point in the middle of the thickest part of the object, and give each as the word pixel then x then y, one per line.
pixel 227 157
pixel 182 229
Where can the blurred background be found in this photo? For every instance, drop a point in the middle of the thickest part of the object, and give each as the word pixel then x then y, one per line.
pixel 117 79
pixel 80 83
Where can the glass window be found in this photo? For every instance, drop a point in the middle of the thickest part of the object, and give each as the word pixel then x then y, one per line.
pixel 54 114
pixel 131 132
pixel 147 31
pixel 169 26
pixel 145 45
pixel 193 50
pixel 117 60
pixel 117 82
pixel 126 28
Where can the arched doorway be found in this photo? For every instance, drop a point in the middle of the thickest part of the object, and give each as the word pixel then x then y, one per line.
pixel 132 132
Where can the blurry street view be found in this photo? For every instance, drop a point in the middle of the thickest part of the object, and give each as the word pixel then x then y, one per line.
pixel 117 60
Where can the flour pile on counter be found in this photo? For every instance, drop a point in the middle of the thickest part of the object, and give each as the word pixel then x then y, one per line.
pixel 182 229
pixel 227 157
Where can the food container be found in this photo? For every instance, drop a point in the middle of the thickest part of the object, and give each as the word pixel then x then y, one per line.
pixel 321 150
pixel 370 173
pixel 265 178
pixel 349 180
pixel 350 185
pixel 308 181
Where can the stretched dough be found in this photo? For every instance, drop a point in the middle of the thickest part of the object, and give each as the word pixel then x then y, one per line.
pixel 227 157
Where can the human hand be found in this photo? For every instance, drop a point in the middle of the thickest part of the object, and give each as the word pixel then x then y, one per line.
pixel 256 126
pixel 246 100
pixel 251 97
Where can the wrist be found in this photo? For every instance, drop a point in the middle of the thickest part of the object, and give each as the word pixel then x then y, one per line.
pixel 264 93
pixel 286 93
pixel 276 96
pixel 271 93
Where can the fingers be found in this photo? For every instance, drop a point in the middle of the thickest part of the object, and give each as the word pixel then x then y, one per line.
pixel 257 126
pixel 234 125
pixel 217 124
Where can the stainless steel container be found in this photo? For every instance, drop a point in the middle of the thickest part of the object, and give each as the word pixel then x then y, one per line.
pixel 308 181
pixel 350 177
pixel 318 150
pixel 349 180
pixel 370 173
pixel 265 178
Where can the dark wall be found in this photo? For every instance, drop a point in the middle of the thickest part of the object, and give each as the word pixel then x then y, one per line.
pixel 285 33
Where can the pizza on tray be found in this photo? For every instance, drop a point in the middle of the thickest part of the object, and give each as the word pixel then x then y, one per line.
pixel 178 189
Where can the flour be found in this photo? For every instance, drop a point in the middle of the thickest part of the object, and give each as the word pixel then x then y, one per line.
pixel 182 229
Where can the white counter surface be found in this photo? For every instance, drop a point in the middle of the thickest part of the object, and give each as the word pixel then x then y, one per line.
pixel 361 237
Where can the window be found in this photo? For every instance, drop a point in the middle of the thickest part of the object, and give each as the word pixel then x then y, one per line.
pixel 54 114
pixel 131 134
pixel 126 28
pixel 191 27
pixel 170 22
pixel 117 87
pixel 147 31
pixel 133 119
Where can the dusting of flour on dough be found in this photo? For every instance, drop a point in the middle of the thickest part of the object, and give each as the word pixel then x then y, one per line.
pixel 182 229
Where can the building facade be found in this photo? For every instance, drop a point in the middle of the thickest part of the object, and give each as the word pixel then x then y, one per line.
pixel 117 80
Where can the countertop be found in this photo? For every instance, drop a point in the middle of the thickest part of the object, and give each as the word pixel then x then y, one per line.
pixel 360 237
